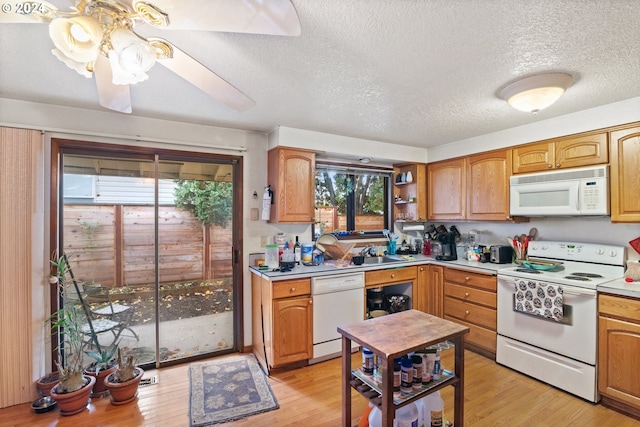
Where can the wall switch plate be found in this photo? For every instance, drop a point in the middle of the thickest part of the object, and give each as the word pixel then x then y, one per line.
pixel 254 214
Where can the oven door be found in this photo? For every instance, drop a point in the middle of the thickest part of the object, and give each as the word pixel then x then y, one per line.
pixel 573 337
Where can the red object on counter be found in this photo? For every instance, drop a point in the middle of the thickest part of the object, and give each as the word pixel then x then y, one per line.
pixel 426 247
pixel 628 279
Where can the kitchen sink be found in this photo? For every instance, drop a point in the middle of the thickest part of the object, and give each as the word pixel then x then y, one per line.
pixel 381 259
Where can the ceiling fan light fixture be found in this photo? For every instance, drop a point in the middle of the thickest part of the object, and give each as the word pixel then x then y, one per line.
pixel 79 67
pixel 78 38
pixel 534 93
pixel 131 57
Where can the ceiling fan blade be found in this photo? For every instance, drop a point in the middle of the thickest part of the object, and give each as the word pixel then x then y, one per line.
pixel 275 17
pixel 27 12
pixel 205 79
pixel 111 96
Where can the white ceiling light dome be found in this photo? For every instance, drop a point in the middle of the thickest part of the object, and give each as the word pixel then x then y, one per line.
pixel 534 93
pixel 77 38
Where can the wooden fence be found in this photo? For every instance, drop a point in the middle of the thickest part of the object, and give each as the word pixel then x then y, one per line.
pixel 115 245
pixel 332 221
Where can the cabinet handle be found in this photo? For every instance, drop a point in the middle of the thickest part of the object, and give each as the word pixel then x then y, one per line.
pixel 466 278
pixel 466 312
pixel 466 294
pixel 421 268
pixel 557 165
pixel 393 276
pixel 549 165
pixel 310 301
pixel 292 290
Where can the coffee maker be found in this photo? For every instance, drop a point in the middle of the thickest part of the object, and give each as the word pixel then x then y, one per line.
pixel 448 245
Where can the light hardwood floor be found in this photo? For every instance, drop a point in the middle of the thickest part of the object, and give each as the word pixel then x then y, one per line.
pixel 310 396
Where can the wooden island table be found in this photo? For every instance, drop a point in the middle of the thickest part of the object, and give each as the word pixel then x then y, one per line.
pixel 393 336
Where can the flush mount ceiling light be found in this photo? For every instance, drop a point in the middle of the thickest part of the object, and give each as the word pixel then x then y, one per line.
pixel 534 93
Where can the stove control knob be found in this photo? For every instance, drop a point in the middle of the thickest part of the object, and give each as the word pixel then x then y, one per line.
pixel 600 251
pixel 612 253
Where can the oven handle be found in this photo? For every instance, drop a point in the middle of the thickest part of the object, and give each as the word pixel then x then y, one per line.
pixel 579 291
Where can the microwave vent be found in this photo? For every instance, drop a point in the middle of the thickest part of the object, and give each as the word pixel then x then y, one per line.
pixel 566 175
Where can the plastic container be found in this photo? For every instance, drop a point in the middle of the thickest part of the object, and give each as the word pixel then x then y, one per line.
pixel 307 253
pixel 271 257
pixel 433 410
pixel 407 416
pixel 417 371
pixel 367 361
pixel 406 375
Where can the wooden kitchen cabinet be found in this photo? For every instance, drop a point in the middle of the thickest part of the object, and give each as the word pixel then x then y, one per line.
pixel 430 297
pixel 291 174
pixel 625 179
pixel 585 149
pixel 487 186
pixel 410 198
pixel 618 352
pixel 282 324
pixel 470 299
pixel 446 182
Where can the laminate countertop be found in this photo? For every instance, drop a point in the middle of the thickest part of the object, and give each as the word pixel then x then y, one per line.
pixel 616 287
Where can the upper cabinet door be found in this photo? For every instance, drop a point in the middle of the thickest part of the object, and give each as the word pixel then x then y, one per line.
pixel 446 190
pixel 534 157
pixel 625 179
pixel 588 149
pixel 488 185
pixel 292 178
pixel 572 151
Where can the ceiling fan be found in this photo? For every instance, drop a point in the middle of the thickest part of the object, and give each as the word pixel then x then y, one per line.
pixel 98 38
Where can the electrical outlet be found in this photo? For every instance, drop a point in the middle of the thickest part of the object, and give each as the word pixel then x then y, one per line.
pixel 263 241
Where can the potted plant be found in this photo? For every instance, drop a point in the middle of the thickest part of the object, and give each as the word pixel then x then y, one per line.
pixel 103 365
pixel 123 382
pixel 74 388
pixel 45 383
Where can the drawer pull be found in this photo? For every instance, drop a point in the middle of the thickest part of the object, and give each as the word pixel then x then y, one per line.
pixel 292 290
pixel 466 294
pixel 466 312
pixel 466 278
pixel 393 276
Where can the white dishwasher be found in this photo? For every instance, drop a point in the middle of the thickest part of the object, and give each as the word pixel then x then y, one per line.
pixel 337 300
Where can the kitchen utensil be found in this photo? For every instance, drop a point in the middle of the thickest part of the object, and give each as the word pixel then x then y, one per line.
pixel 326 239
pixel 533 233
pixel 537 266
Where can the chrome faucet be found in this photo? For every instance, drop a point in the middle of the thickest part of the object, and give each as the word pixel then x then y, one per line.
pixel 369 251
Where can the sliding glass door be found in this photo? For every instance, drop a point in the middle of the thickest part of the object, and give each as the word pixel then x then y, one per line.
pixel 150 238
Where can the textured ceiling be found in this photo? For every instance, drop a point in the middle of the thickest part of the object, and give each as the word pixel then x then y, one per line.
pixel 419 73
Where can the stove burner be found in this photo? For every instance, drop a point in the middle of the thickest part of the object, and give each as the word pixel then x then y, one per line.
pixel 581 278
pixel 592 275
pixel 527 270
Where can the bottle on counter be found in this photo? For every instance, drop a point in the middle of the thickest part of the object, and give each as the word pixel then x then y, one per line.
pixel 297 251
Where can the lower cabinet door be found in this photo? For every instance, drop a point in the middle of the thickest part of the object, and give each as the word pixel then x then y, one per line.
pixel 292 330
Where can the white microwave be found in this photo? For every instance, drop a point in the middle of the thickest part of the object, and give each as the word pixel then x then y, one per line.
pixel 569 192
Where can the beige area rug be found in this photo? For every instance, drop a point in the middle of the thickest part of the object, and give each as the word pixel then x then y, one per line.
pixel 228 388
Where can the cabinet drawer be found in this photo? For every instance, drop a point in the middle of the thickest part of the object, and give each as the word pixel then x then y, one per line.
pixel 472 313
pixel 478 280
pixel 478 335
pixel 291 288
pixel 626 308
pixel 469 294
pixel 395 275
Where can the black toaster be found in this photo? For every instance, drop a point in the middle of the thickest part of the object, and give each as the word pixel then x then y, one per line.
pixel 501 254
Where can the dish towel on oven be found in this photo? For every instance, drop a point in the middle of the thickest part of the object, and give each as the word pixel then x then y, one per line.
pixel 539 298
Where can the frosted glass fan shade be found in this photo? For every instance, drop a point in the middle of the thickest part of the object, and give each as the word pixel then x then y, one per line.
pixel 130 58
pixel 77 38
pixel 534 93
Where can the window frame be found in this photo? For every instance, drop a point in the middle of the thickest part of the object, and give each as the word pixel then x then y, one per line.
pixel 351 171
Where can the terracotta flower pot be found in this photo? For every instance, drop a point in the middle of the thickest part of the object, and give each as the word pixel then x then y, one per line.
pixel 76 401
pixel 46 383
pixel 122 393
pixel 99 388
